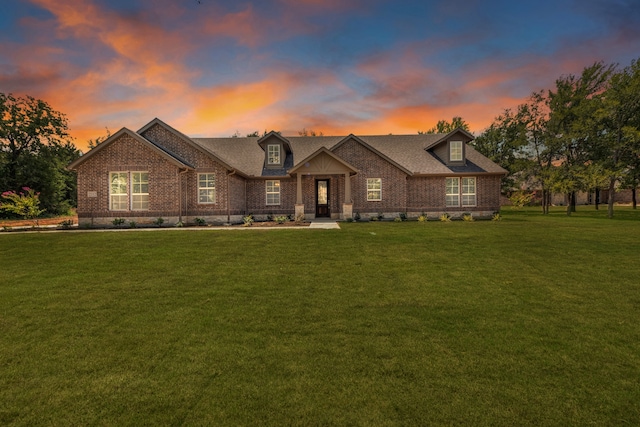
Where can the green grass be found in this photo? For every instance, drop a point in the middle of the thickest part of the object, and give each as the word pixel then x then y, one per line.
pixel 533 320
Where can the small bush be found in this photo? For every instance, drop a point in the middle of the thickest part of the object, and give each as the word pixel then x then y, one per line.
pixel 375 218
pixel 179 224
pixel 159 221
pixel 422 218
pixel 519 199
pixel 468 217
pixel 66 224
pixel 248 220
pixel 117 222
pixel 349 219
pixel 357 216
pixel 132 224
pixel 403 216
pixel 397 219
pixel 380 216
pixel 200 221
pixel 270 217
pixel 445 217
pixel 496 217
pixel 282 219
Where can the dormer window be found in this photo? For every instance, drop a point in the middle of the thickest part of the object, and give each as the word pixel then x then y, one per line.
pixel 273 154
pixel 455 151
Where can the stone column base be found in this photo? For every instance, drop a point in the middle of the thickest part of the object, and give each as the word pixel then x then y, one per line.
pixel 347 210
pixel 299 211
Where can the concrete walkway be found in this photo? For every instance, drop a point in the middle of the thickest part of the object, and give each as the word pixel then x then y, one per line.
pixel 324 223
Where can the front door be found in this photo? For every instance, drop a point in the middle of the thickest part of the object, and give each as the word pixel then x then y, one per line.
pixel 322 198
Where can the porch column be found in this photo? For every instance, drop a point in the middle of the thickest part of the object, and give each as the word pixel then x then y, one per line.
pixel 347 188
pixel 299 189
pixel 347 206
pixel 299 209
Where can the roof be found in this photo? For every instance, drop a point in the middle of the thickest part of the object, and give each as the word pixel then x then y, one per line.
pixel 408 152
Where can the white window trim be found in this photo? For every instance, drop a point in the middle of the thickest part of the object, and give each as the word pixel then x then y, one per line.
pixel 111 194
pixel 474 194
pixel 267 192
pixel 278 151
pixel 378 190
pixel 451 143
pixel 215 193
pixel 451 194
pixel 138 194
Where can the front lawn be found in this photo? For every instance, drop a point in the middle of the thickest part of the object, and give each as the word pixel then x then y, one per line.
pixel 533 320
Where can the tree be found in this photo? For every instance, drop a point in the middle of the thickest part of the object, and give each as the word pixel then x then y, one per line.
pixel 309 132
pixel 25 204
pixel 35 148
pixel 573 129
pixel 619 148
pixel 445 127
pixel 93 143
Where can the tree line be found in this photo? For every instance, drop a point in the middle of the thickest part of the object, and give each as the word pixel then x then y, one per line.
pixel 35 148
pixel 582 135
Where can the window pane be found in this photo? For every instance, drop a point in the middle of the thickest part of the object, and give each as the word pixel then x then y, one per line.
pixel 273 192
pixel 273 154
pixel 206 188
pixel 455 153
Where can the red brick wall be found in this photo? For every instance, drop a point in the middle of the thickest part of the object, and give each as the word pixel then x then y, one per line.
pixel 371 165
pixel 127 155
pixel 257 197
pixel 427 194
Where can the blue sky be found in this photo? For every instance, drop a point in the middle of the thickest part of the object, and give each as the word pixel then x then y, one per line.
pixel 352 66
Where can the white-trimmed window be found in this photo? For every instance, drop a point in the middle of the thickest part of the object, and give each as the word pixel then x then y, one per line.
pixel 206 188
pixel 455 151
pixel 139 191
pixel 273 192
pixel 374 189
pixel 457 191
pixel 273 154
pixel 468 191
pixel 118 196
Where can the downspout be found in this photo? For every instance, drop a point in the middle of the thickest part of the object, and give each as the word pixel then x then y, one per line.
pixel 180 193
pixel 233 172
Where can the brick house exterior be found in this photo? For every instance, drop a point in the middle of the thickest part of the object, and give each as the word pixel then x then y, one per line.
pixel 160 172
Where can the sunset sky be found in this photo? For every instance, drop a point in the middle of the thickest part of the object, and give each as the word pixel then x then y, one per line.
pixel 212 68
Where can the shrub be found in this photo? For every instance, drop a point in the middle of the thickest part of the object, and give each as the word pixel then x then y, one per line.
pixel 496 217
pixel 200 221
pixel 397 219
pixel 159 221
pixel 270 217
pixel 403 216
pixel 468 217
pixel 300 218
pixel 357 216
pixel 380 216
pixel 66 224
pixel 521 198
pixel 282 219
pixel 248 220
pixel 25 204
pixel 117 222
pixel 422 218
pixel 445 217
pixel 132 224
pixel 349 219
pixel 375 218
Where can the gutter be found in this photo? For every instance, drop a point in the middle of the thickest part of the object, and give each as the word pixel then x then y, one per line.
pixel 233 172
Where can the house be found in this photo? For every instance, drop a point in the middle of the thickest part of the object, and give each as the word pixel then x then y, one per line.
pixel 160 172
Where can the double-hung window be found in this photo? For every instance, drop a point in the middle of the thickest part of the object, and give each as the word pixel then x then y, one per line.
pixel 273 192
pixel 455 151
pixel 468 191
pixel 139 191
pixel 273 154
pixel 374 189
pixel 453 192
pixel 206 188
pixel 460 190
pixel 118 195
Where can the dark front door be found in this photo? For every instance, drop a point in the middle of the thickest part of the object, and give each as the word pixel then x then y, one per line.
pixel 322 198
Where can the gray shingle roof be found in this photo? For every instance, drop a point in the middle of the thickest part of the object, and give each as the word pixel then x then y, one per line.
pixel 408 151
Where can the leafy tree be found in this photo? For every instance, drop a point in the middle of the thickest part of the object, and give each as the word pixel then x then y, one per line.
pixel 309 132
pixel 25 204
pixel 619 148
pixel 444 126
pixel 572 127
pixel 93 143
pixel 35 148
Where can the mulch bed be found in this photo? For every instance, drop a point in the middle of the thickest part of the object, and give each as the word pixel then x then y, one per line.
pixel 41 221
